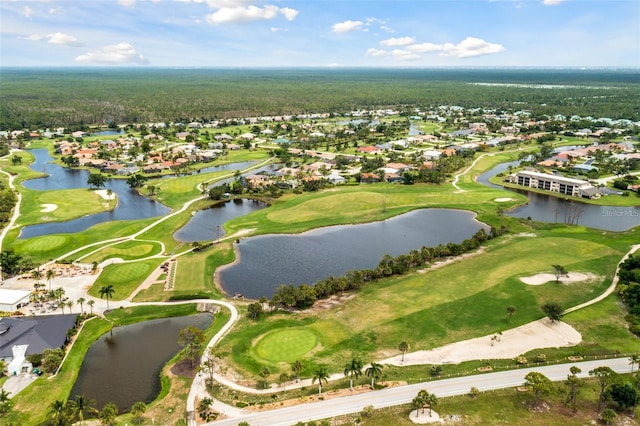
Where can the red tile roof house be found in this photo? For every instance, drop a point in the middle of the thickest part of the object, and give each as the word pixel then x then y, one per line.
pixel 368 149
pixel 369 178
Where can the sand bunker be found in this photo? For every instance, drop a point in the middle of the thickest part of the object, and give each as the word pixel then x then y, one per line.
pixel 512 343
pixel 503 200
pixel 105 194
pixel 47 208
pixel 571 277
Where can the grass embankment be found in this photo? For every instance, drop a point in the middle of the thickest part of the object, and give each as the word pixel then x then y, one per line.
pixel 33 403
pixel 448 304
pixel 126 250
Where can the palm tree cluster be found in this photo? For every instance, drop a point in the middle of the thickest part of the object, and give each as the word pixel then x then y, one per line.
pixel 305 295
pixel 422 400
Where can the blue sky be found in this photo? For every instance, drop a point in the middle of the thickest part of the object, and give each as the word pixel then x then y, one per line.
pixel 320 33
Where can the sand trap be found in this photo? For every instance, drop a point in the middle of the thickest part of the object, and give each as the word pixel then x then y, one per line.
pixel 503 200
pixel 424 418
pixel 105 195
pixel 47 208
pixel 534 335
pixel 571 277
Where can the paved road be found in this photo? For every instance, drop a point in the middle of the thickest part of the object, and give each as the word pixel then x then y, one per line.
pixel 404 394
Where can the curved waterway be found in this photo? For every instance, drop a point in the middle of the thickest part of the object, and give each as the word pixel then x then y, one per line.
pixel 124 367
pixel 267 261
pixel 551 209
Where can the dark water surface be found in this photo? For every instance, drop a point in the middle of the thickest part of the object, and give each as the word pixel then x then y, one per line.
pixel 271 260
pixel 125 368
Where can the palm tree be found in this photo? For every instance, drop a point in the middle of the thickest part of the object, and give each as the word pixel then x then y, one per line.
pixel 353 368
pixel 297 367
pixel 138 409
pixel 510 311
pixel 403 347
pixel 107 291
pixel 81 301
pixel 36 274
pixel 69 305
pixel 432 400
pixel 5 402
pixel 321 375
pixel 91 303
pixel 264 373
pixel 374 371
pixel 58 413
pixel 50 274
pixel 78 405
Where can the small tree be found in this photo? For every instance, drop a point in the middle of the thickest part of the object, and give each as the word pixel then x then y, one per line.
pixel 137 411
pixel 254 310
pixel 264 374
pixel 320 375
pixel 108 414
pixel 606 377
pixel 573 384
pixel 559 271
pixel 403 347
pixel 608 416
pixel 297 367
pixel 191 339
pixel 539 384
pixel 6 404
pixel 374 371
pixel 511 310
pixel 553 311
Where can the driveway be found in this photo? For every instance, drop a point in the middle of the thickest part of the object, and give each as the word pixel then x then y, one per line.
pixel 15 384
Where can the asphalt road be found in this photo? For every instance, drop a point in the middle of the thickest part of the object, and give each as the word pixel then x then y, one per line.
pixel 404 394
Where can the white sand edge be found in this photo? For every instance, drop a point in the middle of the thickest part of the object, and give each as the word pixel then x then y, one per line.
pixel 48 208
pixel 514 342
pixel 503 200
pixel 105 195
pixel 571 277
pixel 424 418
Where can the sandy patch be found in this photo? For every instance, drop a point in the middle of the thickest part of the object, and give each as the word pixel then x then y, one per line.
pixel 105 194
pixel 571 277
pixel 534 335
pixel 47 208
pixel 423 418
pixel 503 200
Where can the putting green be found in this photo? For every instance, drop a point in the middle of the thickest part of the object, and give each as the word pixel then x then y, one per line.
pixel 286 345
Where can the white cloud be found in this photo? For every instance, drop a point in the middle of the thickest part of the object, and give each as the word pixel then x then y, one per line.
pixel 121 53
pixel 129 4
pixel 376 52
pixel 404 55
pixel 34 37
pixel 425 47
pixel 470 47
pixel 27 11
pixel 277 29
pixel 249 13
pixel 552 2
pixel 63 39
pixel 387 29
pixel 346 26
pixel 289 14
pixel 398 41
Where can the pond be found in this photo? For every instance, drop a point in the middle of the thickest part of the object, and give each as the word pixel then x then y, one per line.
pixel 207 224
pixel 125 367
pixel 131 205
pixel 267 261
pixel 548 208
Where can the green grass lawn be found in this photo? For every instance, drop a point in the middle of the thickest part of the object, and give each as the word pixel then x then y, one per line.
pixel 195 270
pixel 71 204
pixel 127 250
pixel 286 345
pixel 125 277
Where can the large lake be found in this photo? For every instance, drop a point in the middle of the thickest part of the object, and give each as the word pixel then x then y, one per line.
pixel 265 262
pixel 125 367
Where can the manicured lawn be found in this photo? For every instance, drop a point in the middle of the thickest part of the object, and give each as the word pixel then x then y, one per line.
pixel 127 250
pixel 71 204
pixel 124 277
pixel 195 270
pixel 286 345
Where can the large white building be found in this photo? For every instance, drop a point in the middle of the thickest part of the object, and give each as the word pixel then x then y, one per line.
pixel 10 299
pixel 553 183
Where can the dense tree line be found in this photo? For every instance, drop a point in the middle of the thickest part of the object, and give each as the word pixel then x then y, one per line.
pixel 51 98
pixel 304 295
pixel 629 289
